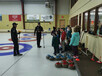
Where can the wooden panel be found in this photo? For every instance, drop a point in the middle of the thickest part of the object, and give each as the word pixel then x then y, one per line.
pixel 74 21
pixel 96 21
pixel 83 28
pixel 88 22
pixel 80 20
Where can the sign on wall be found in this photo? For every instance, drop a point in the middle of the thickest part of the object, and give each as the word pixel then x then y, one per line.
pixel 46 18
pixel 0 17
pixel 14 17
pixel 32 17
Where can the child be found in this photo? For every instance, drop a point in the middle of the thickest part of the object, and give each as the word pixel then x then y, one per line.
pixel 69 31
pixel 75 41
pixel 78 28
pixel 55 43
pixel 63 36
pixel 66 28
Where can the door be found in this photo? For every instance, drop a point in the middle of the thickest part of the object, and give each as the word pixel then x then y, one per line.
pixel 62 23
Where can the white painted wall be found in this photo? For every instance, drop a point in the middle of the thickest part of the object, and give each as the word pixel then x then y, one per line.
pixel 63 7
pixel 37 8
pixel 10 8
pixel 83 5
pixel 33 7
pixel 30 8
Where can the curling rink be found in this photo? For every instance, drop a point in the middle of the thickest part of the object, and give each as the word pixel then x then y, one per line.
pixel 33 62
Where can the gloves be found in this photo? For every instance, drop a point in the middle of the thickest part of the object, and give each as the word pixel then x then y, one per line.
pixel 19 32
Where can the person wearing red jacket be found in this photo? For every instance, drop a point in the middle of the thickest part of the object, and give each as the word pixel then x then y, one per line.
pixel 63 36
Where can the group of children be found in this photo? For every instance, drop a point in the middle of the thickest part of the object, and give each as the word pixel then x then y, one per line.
pixel 63 37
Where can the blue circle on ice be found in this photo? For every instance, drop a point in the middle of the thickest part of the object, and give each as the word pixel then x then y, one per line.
pixel 25 38
pixel 26 47
pixel 32 34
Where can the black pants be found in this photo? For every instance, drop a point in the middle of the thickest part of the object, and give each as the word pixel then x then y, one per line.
pixel 56 50
pixel 38 39
pixel 75 50
pixel 16 47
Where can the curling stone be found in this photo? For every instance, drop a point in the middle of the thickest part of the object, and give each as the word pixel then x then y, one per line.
pixel 69 57
pixel 58 58
pixel 60 55
pixel 65 54
pixel 70 62
pixel 58 65
pixel 48 56
pixel 63 57
pixel 51 58
pixel 71 66
pixel 65 65
pixel 64 61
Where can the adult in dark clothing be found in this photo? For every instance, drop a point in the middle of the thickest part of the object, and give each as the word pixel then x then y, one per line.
pixel 38 30
pixel 14 37
pixel 53 31
pixel 59 32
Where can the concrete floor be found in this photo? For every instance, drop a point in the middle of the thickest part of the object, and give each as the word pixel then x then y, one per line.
pixel 33 62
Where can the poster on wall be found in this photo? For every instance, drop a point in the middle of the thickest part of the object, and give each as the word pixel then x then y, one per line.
pixel 14 17
pixel 46 18
pixel 32 17
pixel 0 17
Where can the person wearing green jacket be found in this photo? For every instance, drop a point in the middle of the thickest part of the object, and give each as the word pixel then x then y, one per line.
pixel 75 41
pixel 55 43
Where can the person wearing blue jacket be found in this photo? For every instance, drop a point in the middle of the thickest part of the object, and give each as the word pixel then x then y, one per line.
pixel 75 41
pixel 69 31
pixel 67 28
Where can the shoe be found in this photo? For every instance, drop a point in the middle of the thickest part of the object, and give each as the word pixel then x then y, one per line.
pixel 62 51
pixel 19 54
pixel 39 46
pixel 54 53
pixel 15 55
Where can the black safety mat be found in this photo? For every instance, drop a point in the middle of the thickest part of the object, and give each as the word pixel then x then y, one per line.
pixel 88 67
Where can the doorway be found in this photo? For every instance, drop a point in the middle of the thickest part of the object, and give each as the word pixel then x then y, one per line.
pixel 62 23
